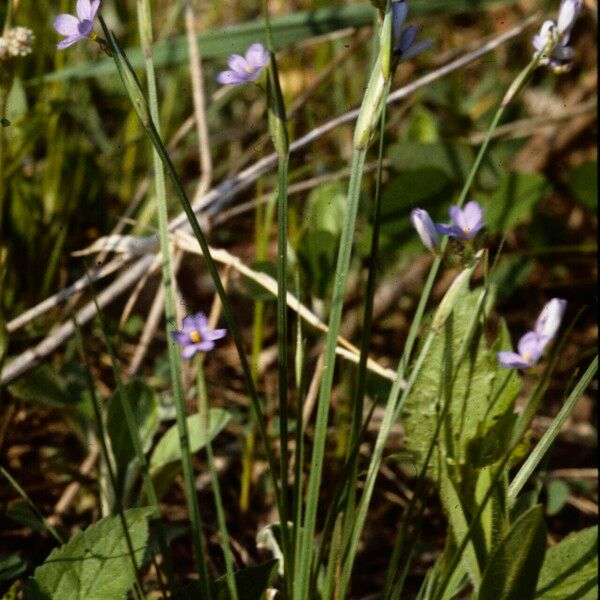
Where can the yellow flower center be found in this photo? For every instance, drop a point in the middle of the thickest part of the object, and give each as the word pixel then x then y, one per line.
pixel 249 70
pixel 195 337
pixel 466 229
pixel 527 357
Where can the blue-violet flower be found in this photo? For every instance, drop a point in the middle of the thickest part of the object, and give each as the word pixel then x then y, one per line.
pixel 405 45
pixel 79 27
pixel 466 222
pixel 426 229
pixel 196 335
pixel 531 347
pixel 244 69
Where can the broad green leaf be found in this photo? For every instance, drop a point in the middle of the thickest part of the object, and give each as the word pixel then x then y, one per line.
pixel 165 463
pixel 460 525
pixel 21 512
pixel 481 394
pixel 494 518
pixel 514 200
pixel 11 566
pixel 510 274
pixel 94 564
pixel 318 240
pixel 317 253
pixel 514 566
pixel 43 386
pixel 428 188
pixel 557 492
pixel 251 584
pixel 145 410
pixel 325 208
pixel 570 569
pixel 583 182
pixel 452 158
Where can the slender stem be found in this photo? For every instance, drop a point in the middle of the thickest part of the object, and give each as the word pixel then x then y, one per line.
pixel 101 434
pixel 358 400
pixel 279 135
pixel 337 302
pixel 204 424
pixel 548 438
pixel 127 75
pixel 145 29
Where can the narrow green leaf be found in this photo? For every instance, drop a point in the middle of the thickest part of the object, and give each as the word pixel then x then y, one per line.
pixel 145 409
pixel 11 566
pixel 93 564
pixel 570 569
pixel 514 566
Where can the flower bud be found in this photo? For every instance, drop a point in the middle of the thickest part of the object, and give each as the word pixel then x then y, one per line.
pixel 548 322
pixel 426 229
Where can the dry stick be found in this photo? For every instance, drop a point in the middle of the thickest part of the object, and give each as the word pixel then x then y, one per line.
pixel 154 316
pixel 105 270
pixel 216 198
pixel 526 127
pixel 199 101
pixel 295 188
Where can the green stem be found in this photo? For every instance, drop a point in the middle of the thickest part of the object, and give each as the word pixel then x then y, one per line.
pixel 337 302
pixel 132 86
pixel 145 29
pixel 204 424
pixel 358 400
pixel 279 135
pixel 548 438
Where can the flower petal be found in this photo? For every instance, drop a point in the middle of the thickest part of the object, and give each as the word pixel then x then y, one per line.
pixel 531 347
pixel 511 360
pixel 190 350
pixel 231 78
pixel 416 49
pixel 548 322
pixel 84 10
pixel 447 229
pixel 66 25
pixel 94 9
pixel 216 334
pixel 68 41
pixel 205 346
pixel 238 64
pixel 409 35
pixel 188 323
pixel 257 56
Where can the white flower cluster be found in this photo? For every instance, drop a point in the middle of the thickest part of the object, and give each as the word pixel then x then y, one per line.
pixel 16 42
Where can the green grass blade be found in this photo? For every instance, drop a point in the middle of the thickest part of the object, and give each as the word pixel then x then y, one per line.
pixel 552 432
